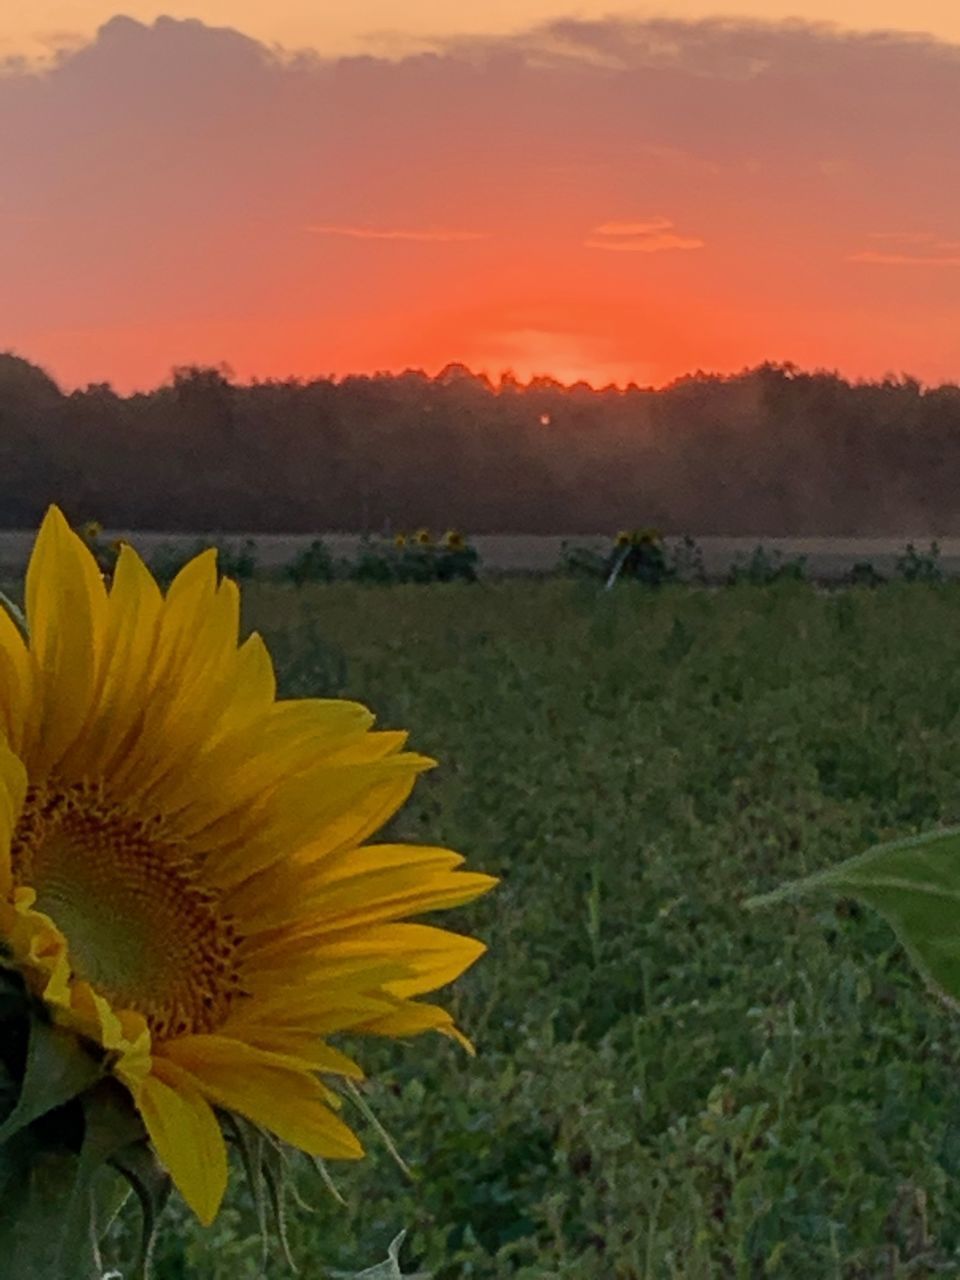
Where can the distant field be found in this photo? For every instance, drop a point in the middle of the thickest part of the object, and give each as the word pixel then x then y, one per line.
pixel 827 558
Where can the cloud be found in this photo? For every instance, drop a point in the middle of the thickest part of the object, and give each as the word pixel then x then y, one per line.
pixel 651 235
pixel 646 227
pixel 928 248
pixel 906 259
pixel 433 235
pixel 158 181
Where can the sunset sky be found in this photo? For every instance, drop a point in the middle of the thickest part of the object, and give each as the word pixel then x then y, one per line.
pixel 622 194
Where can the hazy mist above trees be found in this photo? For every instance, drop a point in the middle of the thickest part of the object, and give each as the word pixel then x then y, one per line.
pixel 772 450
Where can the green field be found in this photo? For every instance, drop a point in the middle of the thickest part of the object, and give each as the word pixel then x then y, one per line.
pixel 666 1085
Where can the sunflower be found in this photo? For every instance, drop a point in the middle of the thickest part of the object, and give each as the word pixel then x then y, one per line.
pixel 183 879
pixel 454 540
pixel 423 538
pixel 623 539
pixel 399 541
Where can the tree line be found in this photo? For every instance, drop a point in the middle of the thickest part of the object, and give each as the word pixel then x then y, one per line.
pixel 771 451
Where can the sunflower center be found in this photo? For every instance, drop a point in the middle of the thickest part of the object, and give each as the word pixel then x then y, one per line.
pixel 141 928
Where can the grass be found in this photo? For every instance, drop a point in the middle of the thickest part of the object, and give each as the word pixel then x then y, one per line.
pixel 666 1085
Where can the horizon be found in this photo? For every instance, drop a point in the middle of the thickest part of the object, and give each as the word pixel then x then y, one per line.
pixel 505 379
pixel 613 200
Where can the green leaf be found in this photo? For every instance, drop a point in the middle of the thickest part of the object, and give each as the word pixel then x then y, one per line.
pixel 41 1234
pixel 57 1069
pixel 388 1270
pixel 915 885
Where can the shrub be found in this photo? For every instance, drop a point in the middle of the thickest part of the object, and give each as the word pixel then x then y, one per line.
pixel 232 561
pixel 416 559
pixel 863 574
pixel 765 567
pixel 311 564
pixel 580 562
pixel 920 566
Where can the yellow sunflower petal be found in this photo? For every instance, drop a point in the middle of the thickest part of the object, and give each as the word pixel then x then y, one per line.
pixel 16 680
pixel 187 1138
pixel 431 957
pixel 409 1018
pixel 66 610
pixel 249 761
pixel 378 883
pixel 130 634
pixel 326 809
pixel 13 788
pixel 375 882
pixel 286 1099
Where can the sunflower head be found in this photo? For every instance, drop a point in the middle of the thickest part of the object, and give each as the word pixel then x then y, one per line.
pixel 623 539
pixel 400 541
pixel 423 538
pixel 186 885
pixel 454 540
pixel 91 531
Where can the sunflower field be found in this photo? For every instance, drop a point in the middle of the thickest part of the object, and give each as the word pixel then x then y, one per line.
pixel 666 1085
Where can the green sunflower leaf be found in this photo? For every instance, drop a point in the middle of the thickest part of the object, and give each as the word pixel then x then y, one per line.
pixel 57 1069
pixel 915 884
pixel 44 1218
pixel 388 1270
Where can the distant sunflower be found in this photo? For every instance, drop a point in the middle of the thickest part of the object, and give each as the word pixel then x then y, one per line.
pixel 454 540
pixel 182 880
pixel 423 538
pixel 623 539
pixel 399 541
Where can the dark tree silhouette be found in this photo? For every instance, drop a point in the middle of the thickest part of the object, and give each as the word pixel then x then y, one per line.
pixel 771 450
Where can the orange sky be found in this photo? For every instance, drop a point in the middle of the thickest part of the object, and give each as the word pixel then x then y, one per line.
pixel 613 199
pixel 337 28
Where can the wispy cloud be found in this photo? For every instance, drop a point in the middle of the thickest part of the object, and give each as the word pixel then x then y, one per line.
pixel 909 249
pixel 427 235
pixel 647 235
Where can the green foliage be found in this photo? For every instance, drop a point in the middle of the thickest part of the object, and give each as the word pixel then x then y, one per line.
pixel 312 564
pixel 237 561
pixel 920 566
pixel 234 560
pixel 402 560
pixel 863 574
pixel 686 562
pixel 765 567
pixel 639 556
pixel 667 1087
pixel 580 562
